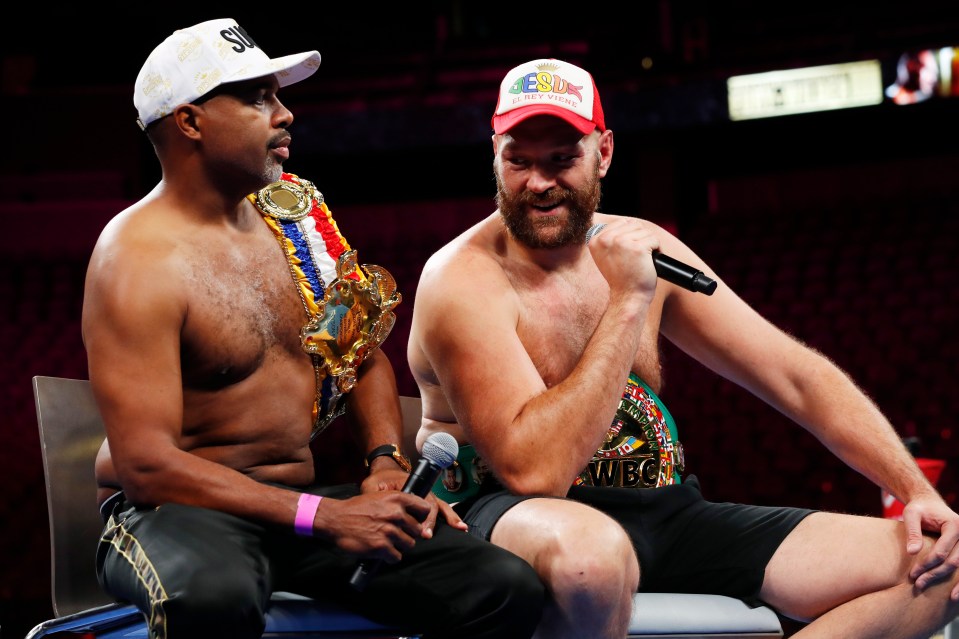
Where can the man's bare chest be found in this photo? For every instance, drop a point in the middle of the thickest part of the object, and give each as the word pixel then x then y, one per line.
pixel 556 327
pixel 243 310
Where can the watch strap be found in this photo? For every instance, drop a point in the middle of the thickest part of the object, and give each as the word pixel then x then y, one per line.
pixel 391 450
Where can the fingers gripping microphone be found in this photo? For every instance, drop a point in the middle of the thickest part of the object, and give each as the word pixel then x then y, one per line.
pixel 439 453
pixel 672 270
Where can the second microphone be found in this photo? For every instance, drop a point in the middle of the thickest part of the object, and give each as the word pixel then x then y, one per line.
pixel 439 453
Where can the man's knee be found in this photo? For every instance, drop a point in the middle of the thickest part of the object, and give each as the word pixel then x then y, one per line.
pixel 602 561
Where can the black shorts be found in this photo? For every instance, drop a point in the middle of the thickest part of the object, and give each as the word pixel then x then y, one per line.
pixel 684 543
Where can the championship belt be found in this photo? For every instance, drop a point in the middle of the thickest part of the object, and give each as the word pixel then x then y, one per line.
pixel 354 318
pixel 641 449
pixel 463 478
pixel 349 307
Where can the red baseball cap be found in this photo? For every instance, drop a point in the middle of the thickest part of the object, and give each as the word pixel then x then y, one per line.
pixel 549 87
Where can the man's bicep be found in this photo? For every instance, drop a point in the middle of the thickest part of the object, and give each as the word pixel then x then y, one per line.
pixel 481 364
pixel 731 338
pixel 132 337
pixel 721 331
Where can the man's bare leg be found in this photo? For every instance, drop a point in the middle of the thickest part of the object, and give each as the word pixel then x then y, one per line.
pixel 586 561
pixel 851 574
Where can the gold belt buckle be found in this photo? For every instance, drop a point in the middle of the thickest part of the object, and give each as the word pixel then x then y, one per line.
pixel 288 201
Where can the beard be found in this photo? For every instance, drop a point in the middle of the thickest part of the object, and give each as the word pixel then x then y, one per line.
pixel 549 232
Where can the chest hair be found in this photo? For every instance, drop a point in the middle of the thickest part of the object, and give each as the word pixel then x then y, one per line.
pixel 243 307
pixel 557 318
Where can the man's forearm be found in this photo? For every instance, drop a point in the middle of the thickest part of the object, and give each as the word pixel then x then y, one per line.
pixel 373 404
pixel 856 431
pixel 566 424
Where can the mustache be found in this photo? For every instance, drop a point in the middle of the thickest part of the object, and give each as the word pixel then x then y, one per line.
pixel 555 195
pixel 279 138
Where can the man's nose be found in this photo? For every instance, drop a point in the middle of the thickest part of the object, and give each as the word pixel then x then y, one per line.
pixel 282 117
pixel 540 180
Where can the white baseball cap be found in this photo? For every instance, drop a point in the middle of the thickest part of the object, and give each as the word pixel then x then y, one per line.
pixel 195 60
pixel 549 87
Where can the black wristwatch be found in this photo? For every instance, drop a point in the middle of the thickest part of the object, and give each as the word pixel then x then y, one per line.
pixel 393 451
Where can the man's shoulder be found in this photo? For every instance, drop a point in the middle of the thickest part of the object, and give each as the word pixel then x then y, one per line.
pixel 472 252
pixel 139 225
pixel 664 227
pixel 139 241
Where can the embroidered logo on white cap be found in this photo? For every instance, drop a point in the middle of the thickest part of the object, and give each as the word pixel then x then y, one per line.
pixel 195 60
pixel 549 87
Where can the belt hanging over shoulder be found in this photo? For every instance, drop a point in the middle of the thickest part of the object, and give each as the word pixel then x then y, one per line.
pixel 349 308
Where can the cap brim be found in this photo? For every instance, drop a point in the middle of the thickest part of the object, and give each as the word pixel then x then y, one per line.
pixel 506 121
pixel 288 69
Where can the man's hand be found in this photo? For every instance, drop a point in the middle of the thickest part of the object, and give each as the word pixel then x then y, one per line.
pixel 931 514
pixel 380 525
pixel 385 475
pixel 392 478
pixel 623 251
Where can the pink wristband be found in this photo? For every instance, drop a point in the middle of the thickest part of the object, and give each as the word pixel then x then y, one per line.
pixel 305 513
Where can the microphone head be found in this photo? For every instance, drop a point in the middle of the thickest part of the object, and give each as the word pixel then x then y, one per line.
pixel 593 230
pixel 441 449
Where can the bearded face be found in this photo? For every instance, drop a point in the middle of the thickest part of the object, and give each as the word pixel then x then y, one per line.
pixel 550 231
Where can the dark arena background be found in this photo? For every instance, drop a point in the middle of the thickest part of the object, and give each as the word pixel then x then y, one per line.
pixel 838 224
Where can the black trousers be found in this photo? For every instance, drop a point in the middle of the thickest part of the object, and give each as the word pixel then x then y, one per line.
pixel 683 542
pixel 196 572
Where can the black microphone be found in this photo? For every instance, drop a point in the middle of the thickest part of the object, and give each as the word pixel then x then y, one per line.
pixel 672 270
pixel 439 453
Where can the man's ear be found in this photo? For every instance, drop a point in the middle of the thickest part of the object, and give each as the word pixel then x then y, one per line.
pixel 605 148
pixel 186 119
